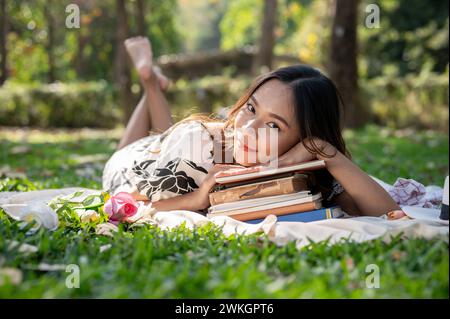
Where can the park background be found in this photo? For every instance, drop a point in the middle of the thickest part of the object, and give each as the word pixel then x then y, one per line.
pixel 65 94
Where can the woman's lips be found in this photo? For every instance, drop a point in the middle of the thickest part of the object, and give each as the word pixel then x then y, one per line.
pixel 246 148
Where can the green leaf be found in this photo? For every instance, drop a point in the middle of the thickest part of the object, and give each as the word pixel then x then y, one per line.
pixel 93 201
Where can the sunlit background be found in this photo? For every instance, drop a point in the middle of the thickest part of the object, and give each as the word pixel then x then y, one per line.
pixel 65 94
pixel 402 65
pixel 392 72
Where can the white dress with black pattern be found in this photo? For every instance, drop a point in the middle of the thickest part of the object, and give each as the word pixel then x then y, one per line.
pixel 165 165
pixel 162 166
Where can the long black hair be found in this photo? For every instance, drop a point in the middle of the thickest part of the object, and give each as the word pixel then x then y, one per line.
pixel 318 108
pixel 317 103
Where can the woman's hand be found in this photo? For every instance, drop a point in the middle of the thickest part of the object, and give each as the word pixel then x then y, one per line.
pixel 194 201
pixel 202 193
pixel 362 196
pixel 301 153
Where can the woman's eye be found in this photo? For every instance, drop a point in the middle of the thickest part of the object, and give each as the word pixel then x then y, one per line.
pixel 250 108
pixel 273 125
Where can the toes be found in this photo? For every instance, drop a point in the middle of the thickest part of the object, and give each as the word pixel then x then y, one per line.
pixel 139 50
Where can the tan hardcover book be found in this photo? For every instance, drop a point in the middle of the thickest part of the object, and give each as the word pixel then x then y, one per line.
pixel 296 208
pixel 254 204
pixel 280 186
pixel 249 173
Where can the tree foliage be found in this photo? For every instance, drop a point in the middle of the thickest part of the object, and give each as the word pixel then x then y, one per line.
pixel 85 53
pixel 413 36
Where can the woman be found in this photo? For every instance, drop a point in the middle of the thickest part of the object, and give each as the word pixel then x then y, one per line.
pixel 298 104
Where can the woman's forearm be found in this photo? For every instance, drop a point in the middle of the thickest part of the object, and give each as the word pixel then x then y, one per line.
pixel 194 201
pixel 370 198
pixel 189 201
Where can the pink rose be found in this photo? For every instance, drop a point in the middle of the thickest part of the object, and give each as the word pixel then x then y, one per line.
pixel 120 207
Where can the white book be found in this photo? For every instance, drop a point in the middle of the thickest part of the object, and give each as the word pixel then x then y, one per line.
pixel 258 201
pixel 241 174
pixel 265 206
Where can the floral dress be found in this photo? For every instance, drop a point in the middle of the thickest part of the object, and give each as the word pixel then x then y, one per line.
pixel 176 162
pixel 161 166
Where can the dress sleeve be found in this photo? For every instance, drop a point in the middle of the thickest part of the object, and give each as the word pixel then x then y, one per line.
pixel 182 163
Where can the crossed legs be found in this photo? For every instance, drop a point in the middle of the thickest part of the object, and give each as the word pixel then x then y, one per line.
pixel 153 111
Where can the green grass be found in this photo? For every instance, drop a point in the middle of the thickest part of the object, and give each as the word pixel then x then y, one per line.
pixel 148 262
pixel 388 154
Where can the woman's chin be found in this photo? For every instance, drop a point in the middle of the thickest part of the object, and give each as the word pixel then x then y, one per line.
pixel 247 160
pixel 247 164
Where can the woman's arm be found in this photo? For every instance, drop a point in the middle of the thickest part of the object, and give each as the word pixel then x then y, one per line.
pixel 194 201
pixel 362 196
pixel 190 201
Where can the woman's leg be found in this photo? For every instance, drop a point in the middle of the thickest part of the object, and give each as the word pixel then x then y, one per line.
pixel 157 105
pixel 152 113
pixel 138 125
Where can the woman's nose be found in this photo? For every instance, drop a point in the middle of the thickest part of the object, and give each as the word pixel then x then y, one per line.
pixel 258 129
pixel 253 126
pixel 250 130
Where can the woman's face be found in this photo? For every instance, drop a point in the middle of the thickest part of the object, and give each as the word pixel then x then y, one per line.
pixel 265 127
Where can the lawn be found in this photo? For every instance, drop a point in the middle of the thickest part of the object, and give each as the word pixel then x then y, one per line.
pixel 148 262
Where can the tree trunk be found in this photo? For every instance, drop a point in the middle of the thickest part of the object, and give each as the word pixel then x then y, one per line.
pixel 343 66
pixel 50 42
pixel 79 63
pixel 264 58
pixel 122 71
pixel 140 17
pixel 3 42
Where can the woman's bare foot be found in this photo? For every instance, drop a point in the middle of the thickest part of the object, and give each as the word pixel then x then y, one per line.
pixel 164 82
pixel 140 51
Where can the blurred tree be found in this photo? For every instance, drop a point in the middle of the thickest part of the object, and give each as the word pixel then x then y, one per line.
pixel 122 71
pixel 50 40
pixel 83 38
pixel 24 41
pixel 37 52
pixel 309 33
pixel 264 57
pixel 87 53
pixel 162 31
pixel 98 23
pixel 199 23
pixel 413 35
pixel 291 16
pixel 240 24
pixel 3 41
pixel 343 66
pixel 140 17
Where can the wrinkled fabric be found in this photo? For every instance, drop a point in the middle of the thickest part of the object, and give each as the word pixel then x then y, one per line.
pixel 421 222
pixel 409 192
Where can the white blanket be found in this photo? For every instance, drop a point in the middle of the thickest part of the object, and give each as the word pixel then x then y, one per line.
pixel 421 222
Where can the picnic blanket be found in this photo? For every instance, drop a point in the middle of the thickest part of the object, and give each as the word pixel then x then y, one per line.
pixel 421 220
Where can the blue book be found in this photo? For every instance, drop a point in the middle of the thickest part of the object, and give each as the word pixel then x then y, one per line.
pixel 311 216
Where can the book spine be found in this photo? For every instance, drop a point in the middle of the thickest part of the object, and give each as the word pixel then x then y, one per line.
pixel 257 191
pixel 219 187
pixel 299 217
pixel 305 217
pixel 224 177
pixel 278 211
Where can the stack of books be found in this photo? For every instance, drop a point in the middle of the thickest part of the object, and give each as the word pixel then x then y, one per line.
pixel 250 194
